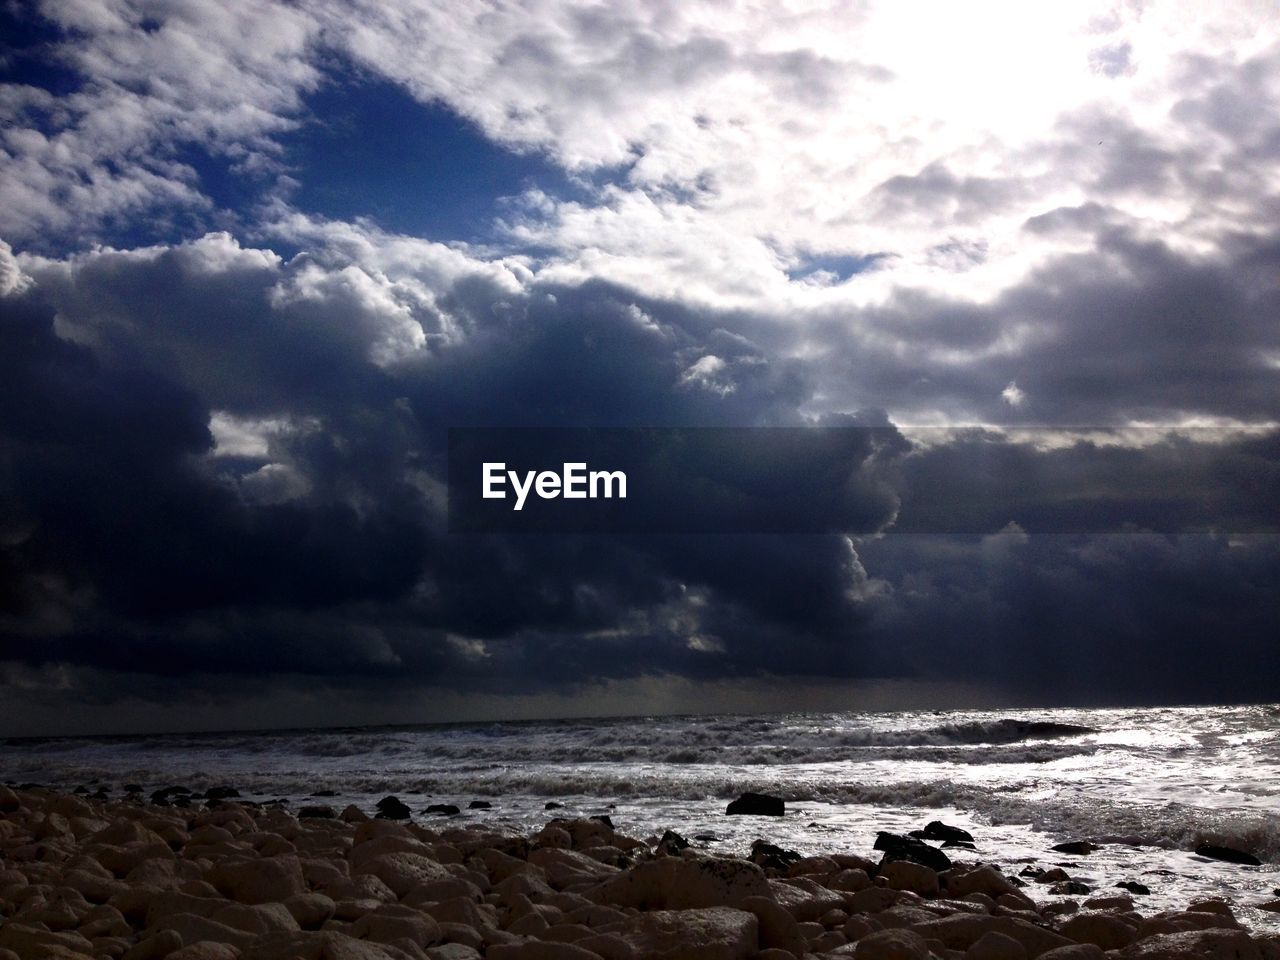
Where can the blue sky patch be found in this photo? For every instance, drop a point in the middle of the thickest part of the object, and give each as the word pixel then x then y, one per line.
pixel 371 150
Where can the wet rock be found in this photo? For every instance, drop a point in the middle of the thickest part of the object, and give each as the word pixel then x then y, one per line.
pixel 937 830
pixel 166 795
pixel 221 793
pixel 897 847
pixel 671 844
pixel 1070 888
pixel 1075 848
pixel 757 804
pixel 445 809
pixel 1228 854
pixel 1133 886
pixel 318 812
pixel 393 808
pixel 479 805
pixel 552 805
pixel 772 857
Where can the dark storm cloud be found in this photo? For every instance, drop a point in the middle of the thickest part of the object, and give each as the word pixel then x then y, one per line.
pixel 316 551
pixel 1130 330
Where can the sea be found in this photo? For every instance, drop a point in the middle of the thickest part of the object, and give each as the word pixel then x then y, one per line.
pixel 1149 785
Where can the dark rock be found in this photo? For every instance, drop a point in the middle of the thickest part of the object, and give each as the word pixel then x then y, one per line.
pixel 712 838
pixel 603 818
pixel 164 796
pixel 447 809
pixel 1133 886
pixel 897 847
pixel 757 804
pixel 1076 848
pixel 1071 887
pixel 937 830
pixel 133 788
pixel 963 844
pixel 318 812
pixel 392 808
pixel 81 790
pixel 768 855
pixel 1229 854
pixel 221 793
pixel 672 843
pixel 552 805
pixel 479 805
pixel 325 793
pixel 1032 872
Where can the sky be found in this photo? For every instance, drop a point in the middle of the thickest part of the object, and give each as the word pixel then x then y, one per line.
pixel 256 259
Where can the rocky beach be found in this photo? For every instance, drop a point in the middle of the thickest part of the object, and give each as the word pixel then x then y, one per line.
pixel 212 876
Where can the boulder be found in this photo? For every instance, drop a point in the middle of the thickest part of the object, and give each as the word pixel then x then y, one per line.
pixel 402 871
pixel 676 883
pixel 892 945
pixel 1227 854
pixel 710 933
pixel 937 830
pixel 1075 848
pixel 392 808
pixel 1194 945
pixel 1100 929
pixel 905 875
pixel 897 847
pixel 264 880
pixel 757 804
pixel 996 946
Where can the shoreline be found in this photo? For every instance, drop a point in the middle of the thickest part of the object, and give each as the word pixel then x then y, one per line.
pixel 219 878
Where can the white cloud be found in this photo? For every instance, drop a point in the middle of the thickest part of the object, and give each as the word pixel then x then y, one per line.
pixel 1013 395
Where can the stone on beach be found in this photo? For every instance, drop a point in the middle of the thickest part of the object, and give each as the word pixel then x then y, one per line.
pixel 757 804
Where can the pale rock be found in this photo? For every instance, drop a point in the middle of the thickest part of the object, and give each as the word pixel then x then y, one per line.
pixel 961 931
pixel 452 932
pixel 905 875
pixel 563 868
pixel 1100 929
pixel 677 883
pixel 205 950
pixel 453 951
pixel 709 933
pixel 364 851
pixel 191 927
pixel 995 946
pixel 537 950
pixel 1076 951
pixel 805 899
pixel 265 880
pixel 393 921
pixel 959 882
pixel 776 926
pixel 28 940
pixel 1194 945
pixel 401 872
pixel 462 910
pixel 892 945
pixel 851 880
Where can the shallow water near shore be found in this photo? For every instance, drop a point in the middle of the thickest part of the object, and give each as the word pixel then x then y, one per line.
pixel 1150 784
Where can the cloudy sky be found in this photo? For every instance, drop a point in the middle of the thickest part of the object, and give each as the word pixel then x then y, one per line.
pixel 256 258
